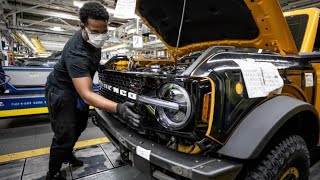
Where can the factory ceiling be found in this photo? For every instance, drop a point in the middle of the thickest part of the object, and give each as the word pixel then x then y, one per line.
pixel 60 17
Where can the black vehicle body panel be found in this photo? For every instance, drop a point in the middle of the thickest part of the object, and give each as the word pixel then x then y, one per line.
pixel 264 122
pixel 193 167
pixel 218 64
pixel 40 62
pixel 148 84
pixel 164 17
pixel 235 115
pixel 231 108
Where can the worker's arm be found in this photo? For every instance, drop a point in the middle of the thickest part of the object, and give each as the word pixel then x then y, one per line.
pixel 78 68
pixel 83 86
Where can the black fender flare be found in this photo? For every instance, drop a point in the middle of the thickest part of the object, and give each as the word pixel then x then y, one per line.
pixel 257 129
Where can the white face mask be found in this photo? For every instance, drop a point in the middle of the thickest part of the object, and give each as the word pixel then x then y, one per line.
pixel 97 40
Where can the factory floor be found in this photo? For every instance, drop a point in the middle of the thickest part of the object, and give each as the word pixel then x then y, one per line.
pixel 24 148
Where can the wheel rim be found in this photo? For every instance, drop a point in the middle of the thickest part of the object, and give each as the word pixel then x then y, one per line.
pixel 291 173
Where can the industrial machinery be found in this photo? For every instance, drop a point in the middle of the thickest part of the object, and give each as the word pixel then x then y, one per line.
pixel 124 63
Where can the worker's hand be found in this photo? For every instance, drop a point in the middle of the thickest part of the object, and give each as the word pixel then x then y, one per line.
pixel 125 112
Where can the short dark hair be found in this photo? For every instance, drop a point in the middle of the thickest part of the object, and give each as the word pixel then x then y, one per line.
pixel 93 10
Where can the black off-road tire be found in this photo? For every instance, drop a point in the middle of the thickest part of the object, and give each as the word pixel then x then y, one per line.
pixel 291 152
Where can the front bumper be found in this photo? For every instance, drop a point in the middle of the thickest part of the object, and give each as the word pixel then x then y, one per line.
pixel 154 157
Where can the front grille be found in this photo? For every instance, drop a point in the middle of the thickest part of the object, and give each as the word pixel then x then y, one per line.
pixel 125 81
pixel 145 85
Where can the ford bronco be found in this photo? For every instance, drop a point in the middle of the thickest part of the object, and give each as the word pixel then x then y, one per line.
pixel 246 108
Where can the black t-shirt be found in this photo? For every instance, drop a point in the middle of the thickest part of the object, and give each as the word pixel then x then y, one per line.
pixel 78 59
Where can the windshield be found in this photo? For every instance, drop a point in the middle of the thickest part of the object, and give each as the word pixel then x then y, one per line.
pixel 298 25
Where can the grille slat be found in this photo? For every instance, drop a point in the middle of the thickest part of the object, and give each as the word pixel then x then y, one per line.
pixel 127 82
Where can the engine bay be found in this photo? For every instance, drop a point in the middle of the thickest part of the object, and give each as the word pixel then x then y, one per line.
pixel 161 66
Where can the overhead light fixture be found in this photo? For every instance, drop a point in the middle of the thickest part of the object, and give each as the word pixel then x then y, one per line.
pixel 78 4
pixel 59 29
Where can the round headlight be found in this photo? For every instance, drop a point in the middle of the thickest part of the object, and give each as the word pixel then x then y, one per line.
pixel 171 118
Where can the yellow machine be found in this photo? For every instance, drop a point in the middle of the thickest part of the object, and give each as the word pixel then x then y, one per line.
pixel 125 64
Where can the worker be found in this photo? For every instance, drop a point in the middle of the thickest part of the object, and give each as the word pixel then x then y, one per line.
pixel 69 89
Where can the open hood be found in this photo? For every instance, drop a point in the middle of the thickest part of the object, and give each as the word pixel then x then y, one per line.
pixel 242 23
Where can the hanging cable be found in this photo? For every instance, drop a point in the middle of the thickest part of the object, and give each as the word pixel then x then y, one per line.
pixel 180 29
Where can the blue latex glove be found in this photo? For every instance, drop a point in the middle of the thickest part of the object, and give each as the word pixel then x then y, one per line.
pixel 81 105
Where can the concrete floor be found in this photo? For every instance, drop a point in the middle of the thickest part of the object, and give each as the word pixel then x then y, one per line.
pixel 36 133
pixel 101 161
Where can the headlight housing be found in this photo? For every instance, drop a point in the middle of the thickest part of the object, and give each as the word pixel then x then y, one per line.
pixel 170 118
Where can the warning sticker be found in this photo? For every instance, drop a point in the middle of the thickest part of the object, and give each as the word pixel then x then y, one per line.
pixel 261 78
pixel 309 79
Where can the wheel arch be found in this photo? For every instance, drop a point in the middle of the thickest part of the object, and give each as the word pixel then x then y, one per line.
pixel 296 125
pixel 281 114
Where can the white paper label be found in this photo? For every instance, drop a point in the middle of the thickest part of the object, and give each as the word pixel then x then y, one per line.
pixel 143 153
pixel 260 78
pixel 137 42
pixel 309 79
pixel 125 9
